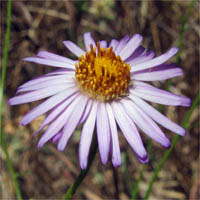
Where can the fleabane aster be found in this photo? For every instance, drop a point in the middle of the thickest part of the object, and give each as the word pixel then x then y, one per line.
pixel 105 88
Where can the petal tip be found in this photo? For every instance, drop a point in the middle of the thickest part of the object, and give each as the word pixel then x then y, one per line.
pixel 144 159
pixel 23 122
pixel 183 133
pixel 83 165
pixel 117 164
pixel 40 144
pixel 185 101
pixel 173 50
pixel 104 161
pixel 60 147
pixel 10 102
pixel 167 144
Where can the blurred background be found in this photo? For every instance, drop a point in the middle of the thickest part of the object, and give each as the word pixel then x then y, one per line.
pixel 47 173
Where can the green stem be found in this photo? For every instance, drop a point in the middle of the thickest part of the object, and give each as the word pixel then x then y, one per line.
pixel 83 173
pixel 167 87
pixel 168 152
pixel 2 86
pixel 136 185
pixel 183 29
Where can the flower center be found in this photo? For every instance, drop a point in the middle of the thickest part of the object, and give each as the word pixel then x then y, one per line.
pixel 103 75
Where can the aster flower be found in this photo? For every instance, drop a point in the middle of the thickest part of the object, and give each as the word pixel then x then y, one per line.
pixel 106 88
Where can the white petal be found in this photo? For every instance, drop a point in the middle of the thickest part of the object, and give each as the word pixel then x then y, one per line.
pixel 56 112
pixel 113 44
pixel 130 47
pixel 87 111
pixel 51 56
pixel 55 82
pixel 53 63
pixel 157 116
pixel 76 50
pixel 140 51
pixel 121 44
pixel 150 93
pixel 73 120
pixel 86 136
pixel 41 79
pixel 57 125
pixel 146 57
pixel 116 157
pixel 47 105
pixel 62 71
pixel 37 95
pixel 163 74
pixel 56 137
pixel 88 40
pixel 103 44
pixel 129 130
pixel 103 132
pixel 145 123
pixel 156 61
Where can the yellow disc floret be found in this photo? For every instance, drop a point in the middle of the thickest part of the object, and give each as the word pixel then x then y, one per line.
pixel 102 75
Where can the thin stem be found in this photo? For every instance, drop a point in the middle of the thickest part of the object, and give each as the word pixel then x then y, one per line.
pixel 115 179
pixel 83 173
pixel 183 29
pixel 2 86
pixel 174 141
pixel 136 184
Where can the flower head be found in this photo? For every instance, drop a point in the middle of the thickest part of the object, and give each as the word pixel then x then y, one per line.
pixel 104 88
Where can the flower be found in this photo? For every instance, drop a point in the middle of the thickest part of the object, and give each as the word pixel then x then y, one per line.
pixel 104 88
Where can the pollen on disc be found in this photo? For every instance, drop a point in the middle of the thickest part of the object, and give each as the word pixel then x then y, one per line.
pixel 102 75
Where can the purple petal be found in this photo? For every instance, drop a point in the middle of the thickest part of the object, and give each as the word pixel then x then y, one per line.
pixel 72 121
pixel 129 130
pixel 56 137
pixel 116 157
pixel 130 47
pixel 58 124
pixel 138 52
pixel 156 61
pixel 53 57
pixel 121 44
pixel 87 111
pixel 146 57
pixel 145 161
pixel 146 124
pixel 55 82
pixel 86 136
pixel 62 71
pixel 113 44
pixel 76 50
pixel 103 132
pixel 53 63
pixel 165 72
pixel 157 116
pixel 88 40
pixel 103 44
pixel 150 93
pixel 37 95
pixel 56 112
pixel 41 79
pixel 47 105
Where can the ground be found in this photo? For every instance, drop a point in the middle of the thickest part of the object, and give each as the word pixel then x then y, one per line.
pixel 47 173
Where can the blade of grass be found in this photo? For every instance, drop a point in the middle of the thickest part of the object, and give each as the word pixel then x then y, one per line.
pixel 136 184
pixel 174 141
pixel 167 87
pixel 2 85
pixel 83 173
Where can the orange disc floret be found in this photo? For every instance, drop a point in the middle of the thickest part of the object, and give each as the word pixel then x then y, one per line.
pixel 102 75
